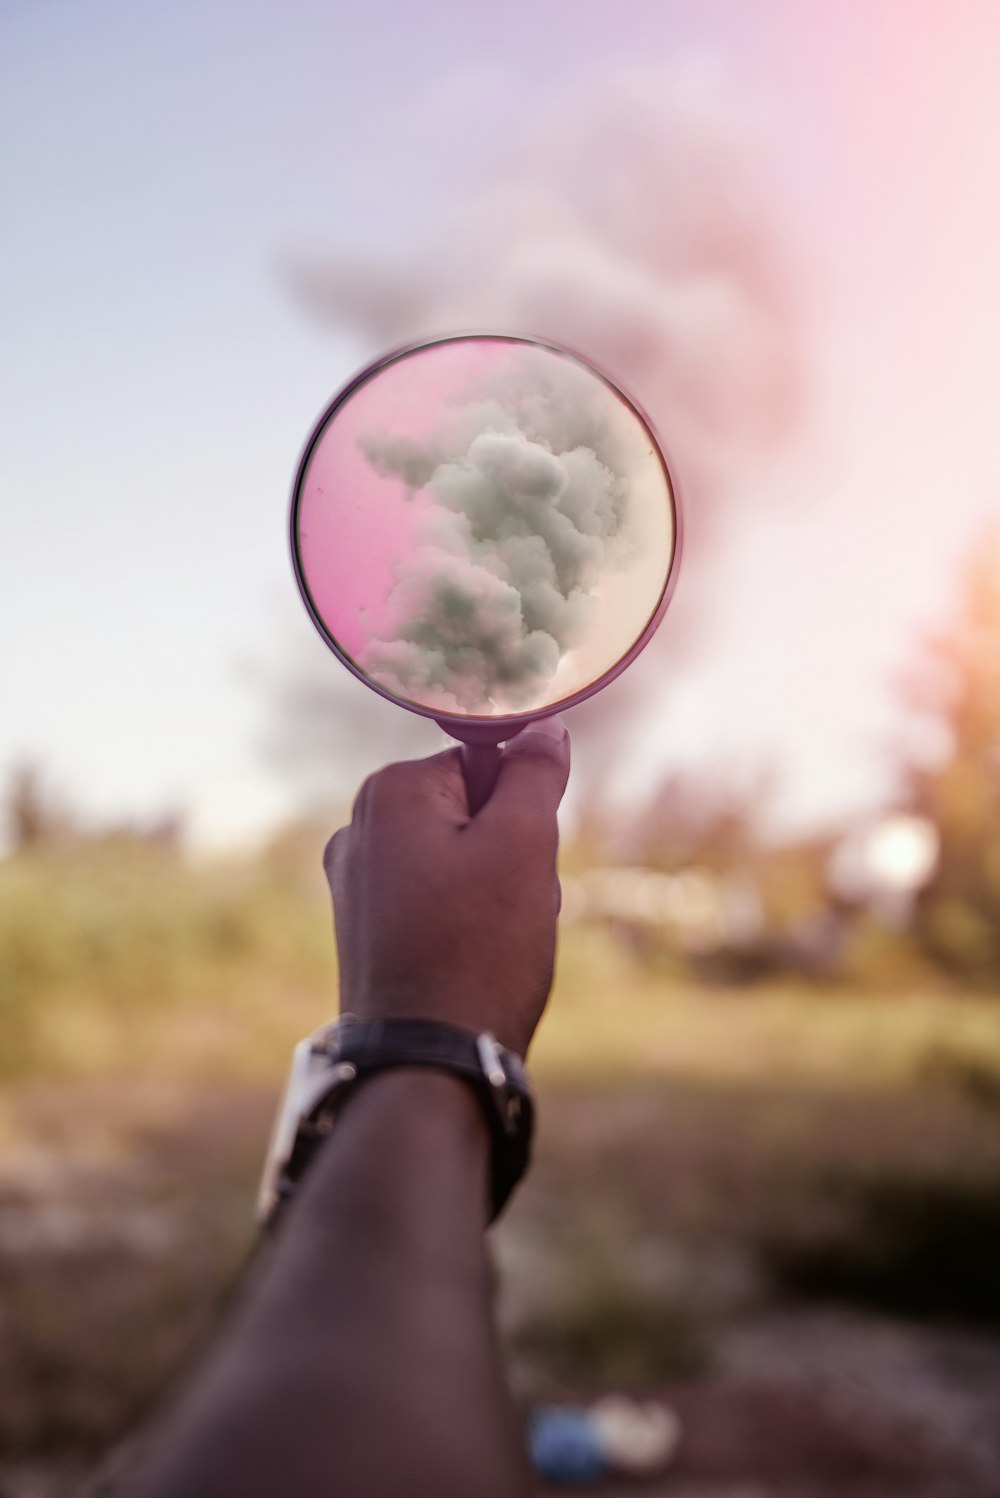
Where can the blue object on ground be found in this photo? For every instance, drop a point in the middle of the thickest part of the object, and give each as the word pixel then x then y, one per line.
pixel 565 1446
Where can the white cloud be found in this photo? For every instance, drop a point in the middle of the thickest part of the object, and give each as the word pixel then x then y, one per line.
pixel 526 512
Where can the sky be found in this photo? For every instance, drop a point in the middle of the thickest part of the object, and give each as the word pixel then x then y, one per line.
pixel 162 166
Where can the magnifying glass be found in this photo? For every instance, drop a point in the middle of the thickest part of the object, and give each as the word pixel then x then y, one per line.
pixel 485 531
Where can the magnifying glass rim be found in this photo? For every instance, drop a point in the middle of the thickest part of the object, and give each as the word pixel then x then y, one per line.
pixel 465 725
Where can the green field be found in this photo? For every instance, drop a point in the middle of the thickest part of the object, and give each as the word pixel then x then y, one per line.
pixel 705 1153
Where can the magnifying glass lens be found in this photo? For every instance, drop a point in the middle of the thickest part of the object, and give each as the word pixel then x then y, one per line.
pixel 484 528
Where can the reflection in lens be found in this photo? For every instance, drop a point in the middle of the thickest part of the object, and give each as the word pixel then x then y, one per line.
pixel 484 526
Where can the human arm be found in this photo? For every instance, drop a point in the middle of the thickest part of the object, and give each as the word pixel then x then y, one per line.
pixel 364 1357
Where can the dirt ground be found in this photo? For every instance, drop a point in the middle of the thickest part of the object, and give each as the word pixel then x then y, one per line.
pixel 758 1439
pixel 125 1214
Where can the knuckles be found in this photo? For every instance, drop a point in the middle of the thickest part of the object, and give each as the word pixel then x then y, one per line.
pixel 400 786
pixel 334 850
pixel 384 788
pixel 386 792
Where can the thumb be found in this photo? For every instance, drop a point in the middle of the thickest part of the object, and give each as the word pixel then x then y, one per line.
pixel 534 769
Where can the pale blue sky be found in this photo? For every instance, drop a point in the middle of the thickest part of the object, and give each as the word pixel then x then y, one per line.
pixel 158 379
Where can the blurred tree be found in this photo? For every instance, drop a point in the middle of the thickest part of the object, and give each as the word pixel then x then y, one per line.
pixel 953 777
pixel 34 816
pixel 692 819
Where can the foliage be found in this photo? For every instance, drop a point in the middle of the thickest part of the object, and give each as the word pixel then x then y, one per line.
pixel 923 1247
pixel 954 688
pixel 109 947
pixel 613 1334
pixel 687 821
pixel 682 1127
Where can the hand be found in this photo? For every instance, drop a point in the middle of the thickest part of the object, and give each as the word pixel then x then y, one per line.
pixel 448 917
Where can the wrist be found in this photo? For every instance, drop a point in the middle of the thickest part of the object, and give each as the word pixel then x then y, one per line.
pixel 418 1137
pixel 424 1102
pixel 345 1058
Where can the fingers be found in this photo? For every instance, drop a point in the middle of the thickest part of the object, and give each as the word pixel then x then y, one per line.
pixel 334 851
pixel 534 769
pixel 335 865
pixel 414 787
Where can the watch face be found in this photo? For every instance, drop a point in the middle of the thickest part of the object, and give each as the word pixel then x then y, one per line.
pixel 285 1127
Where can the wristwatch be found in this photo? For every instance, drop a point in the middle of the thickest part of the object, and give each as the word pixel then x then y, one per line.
pixel 328 1065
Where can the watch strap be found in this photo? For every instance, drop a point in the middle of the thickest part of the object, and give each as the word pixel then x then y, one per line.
pixel 372 1046
pixel 357 1049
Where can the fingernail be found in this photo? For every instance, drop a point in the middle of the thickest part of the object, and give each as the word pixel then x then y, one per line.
pixel 550 728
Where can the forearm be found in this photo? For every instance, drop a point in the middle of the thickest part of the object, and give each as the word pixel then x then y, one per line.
pixel 365 1358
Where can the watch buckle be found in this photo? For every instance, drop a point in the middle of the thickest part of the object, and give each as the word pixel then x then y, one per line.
pixel 506 1103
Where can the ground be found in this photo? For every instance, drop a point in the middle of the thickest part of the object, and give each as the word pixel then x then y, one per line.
pixel 697 1238
pixel 776 1206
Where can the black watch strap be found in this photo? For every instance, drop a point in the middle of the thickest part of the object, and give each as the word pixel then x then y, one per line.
pixel 357 1049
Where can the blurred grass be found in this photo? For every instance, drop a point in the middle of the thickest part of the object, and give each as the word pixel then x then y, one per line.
pixel 924 1247
pixel 116 957
pixel 613 1017
pixel 612 1333
pixel 702 1147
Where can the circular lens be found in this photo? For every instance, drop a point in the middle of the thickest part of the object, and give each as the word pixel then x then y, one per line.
pixel 484 526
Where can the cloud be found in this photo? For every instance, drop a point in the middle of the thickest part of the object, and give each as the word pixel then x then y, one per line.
pixel 634 221
pixel 528 485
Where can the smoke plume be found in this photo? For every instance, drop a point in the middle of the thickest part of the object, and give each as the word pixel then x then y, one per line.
pixel 635 221
pixel 528 493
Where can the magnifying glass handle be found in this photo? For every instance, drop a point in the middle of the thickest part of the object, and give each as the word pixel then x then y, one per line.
pixel 480 766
